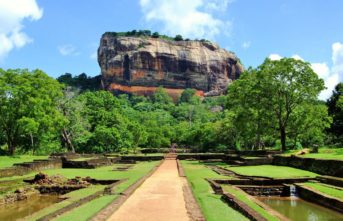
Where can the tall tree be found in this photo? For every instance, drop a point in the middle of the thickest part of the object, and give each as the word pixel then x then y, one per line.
pixel 109 124
pixel 335 105
pixel 288 83
pixel 247 101
pixel 75 131
pixel 307 124
pixel 28 106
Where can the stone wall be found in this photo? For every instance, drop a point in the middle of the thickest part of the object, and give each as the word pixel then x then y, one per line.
pixel 254 152
pixel 141 158
pixel 317 197
pixel 24 168
pixel 202 156
pixel 320 166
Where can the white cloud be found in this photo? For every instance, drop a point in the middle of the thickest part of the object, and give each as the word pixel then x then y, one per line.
pixel 331 76
pixel 12 15
pixel 275 57
pixel 336 72
pixel 297 57
pixel 217 5
pixel 67 50
pixel 337 54
pixel 190 18
pixel 330 82
pixel 246 44
pixel 322 69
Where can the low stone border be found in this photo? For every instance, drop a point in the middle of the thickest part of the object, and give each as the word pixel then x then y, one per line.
pixel 257 161
pixel 222 171
pixel 313 195
pixel 79 203
pixel 192 206
pixel 141 158
pixel 215 186
pixel 254 152
pixel 336 181
pixel 91 163
pixel 180 169
pixel 263 190
pixel 242 207
pixel 270 210
pixel 261 181
pixel 20 169
pixel 108 210
pixel 320 166
pixel 201 156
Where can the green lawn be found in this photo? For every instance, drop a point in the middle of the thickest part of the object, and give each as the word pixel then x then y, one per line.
pixel 326 189
pixel 271 171
pixel 323 153
pixel 244 197
pixel 211 205
pixel 7 161
pixel 89 209
pixel 326 153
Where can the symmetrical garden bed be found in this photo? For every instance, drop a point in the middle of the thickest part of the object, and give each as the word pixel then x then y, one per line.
pixel 238 187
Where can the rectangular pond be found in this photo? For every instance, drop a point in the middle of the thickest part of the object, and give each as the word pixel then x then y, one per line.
pixel 23 208
pixel 297 209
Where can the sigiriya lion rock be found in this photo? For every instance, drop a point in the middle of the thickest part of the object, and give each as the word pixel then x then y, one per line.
pixel 139 65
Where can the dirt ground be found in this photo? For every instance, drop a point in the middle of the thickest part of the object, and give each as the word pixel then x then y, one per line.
pixel 160 197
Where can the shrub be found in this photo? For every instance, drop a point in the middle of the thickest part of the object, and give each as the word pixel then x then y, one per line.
pixel 178 38
pixel 155 35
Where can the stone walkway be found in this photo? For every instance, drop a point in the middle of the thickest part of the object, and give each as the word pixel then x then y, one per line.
pixel 160 197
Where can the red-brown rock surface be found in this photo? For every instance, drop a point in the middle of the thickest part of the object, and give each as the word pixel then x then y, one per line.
pixel 139 65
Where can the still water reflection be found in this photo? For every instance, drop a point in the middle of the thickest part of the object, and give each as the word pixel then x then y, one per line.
pixel 27 207
pixel 297 209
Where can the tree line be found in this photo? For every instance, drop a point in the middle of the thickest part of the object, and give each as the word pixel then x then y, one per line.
pixel 148 33
pixel 273 105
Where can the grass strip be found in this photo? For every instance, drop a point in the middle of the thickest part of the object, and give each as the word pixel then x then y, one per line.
pixel 244 197
pixel 8 161
pixel 326 189
pixel 271 171
pixel 211 205
pixel 87 210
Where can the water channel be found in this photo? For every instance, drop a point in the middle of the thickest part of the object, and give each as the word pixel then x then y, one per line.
pixel 297 209
pixel 23 208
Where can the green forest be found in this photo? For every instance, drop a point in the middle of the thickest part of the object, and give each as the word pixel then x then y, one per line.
pixel 272 106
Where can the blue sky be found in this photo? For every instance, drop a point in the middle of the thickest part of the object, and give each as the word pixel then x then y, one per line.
pixel 62 36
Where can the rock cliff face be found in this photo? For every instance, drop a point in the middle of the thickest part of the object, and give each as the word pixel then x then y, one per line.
pixel 139 65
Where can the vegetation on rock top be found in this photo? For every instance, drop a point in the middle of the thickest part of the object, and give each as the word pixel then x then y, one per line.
pixel 148 33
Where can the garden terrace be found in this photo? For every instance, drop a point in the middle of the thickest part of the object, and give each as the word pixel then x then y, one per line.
pixel 244 188
pixel 321 166
pixel 92 198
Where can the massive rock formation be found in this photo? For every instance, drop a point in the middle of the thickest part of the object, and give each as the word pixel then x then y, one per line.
pixel 139 65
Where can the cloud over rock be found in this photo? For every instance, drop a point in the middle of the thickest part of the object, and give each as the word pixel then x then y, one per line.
pixel 190 18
